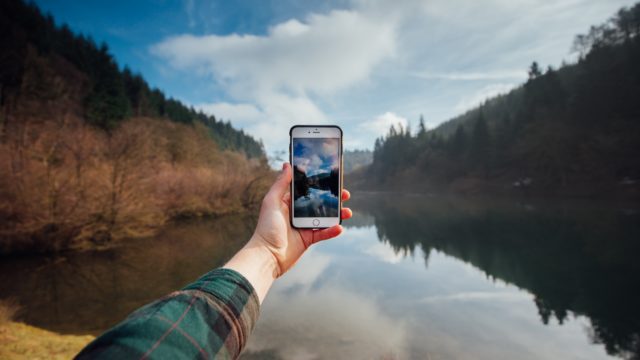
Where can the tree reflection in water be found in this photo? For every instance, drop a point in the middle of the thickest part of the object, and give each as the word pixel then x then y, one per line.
pixel 579 259
pixel 575 258
pixel 88 292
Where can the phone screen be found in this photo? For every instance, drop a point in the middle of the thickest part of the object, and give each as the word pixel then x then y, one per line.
pixel 316 177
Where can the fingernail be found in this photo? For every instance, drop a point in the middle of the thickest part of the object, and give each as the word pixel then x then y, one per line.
pixel 284 166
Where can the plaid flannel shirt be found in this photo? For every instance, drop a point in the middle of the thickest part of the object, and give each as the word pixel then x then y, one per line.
pixel 211 318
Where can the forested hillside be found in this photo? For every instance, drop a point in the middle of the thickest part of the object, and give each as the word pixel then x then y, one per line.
pixel 90 153
pixel 356 159
pixel 570 131
pixel 111 95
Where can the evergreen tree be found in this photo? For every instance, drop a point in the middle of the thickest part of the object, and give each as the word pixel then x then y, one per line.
pixel 107 103
pixel 458 143
pixel 422 130
pixel 534 71
pixel 480 144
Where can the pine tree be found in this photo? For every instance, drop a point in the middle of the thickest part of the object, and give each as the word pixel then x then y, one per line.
pixel 422 130
pixel 458 143
pixel 534 71
pixel 107 103
pixel 480 144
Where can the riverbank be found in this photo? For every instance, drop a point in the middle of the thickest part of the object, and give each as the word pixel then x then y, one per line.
pixel 508 186
pixel 53 302
pixel 21 341
pixel 88 292
pixel 103 187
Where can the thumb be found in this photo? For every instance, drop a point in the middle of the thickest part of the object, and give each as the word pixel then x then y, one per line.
pixel 281 186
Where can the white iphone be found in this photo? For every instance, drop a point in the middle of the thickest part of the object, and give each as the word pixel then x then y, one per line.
pixel 316 157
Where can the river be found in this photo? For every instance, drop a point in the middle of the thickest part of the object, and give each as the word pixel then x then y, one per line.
pixel 412 277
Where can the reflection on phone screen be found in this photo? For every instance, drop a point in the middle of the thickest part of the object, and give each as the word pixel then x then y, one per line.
pixel 316 177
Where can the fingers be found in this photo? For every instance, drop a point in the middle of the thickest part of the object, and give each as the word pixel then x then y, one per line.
pixel 346 213
pixel 346 195
pixel 281 186
pixel 326 234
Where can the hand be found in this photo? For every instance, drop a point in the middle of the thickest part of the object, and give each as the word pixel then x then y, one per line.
pixel 274 231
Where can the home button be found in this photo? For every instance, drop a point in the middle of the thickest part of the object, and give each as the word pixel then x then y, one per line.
pixel 315 222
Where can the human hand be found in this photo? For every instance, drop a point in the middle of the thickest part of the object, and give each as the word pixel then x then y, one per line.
pixel 274 231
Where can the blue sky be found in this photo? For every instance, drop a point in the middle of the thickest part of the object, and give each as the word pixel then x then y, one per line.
pixel 364 65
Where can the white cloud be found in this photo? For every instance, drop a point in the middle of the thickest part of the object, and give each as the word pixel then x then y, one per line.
pixel 326 53
pixel 509 295
pixel 473 76
pixel 381 124
pixel 271 121
pixel 487 92
pixel 278 73
pixel 346 324
pixel 385 253
pixel 306 272
pixel 401 57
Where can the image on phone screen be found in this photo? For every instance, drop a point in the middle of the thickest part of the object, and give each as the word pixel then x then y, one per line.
pixel 316 177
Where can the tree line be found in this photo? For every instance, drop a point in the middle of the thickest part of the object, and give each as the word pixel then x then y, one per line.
pixel 569 129
pixel 113 95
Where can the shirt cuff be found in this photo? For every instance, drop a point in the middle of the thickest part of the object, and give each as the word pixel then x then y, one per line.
pixel 237 297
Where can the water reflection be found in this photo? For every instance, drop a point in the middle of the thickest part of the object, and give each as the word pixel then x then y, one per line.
pixel 91 291
pixel 579 259
pixel 411 278
pixel 307 318
pixel 504 280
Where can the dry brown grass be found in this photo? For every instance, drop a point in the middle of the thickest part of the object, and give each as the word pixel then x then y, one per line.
pixel 21 341
pixel 66 184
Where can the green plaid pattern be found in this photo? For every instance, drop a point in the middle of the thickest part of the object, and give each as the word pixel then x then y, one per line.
pixel 209 319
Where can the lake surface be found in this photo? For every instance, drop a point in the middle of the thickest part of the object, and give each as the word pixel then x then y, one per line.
pixel 413 277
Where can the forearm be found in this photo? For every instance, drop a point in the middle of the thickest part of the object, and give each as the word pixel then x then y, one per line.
pixel 257 264
pixel 210 318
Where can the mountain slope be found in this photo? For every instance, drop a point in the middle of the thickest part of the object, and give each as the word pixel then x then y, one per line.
pixel 572 131
pixel 109 95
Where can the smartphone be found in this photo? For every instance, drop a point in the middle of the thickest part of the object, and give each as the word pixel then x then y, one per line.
pixel 316 157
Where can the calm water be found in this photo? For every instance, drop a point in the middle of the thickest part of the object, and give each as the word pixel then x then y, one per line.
pixel 413 277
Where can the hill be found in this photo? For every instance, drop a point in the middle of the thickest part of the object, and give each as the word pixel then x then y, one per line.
pixel 572 131
pixel 110 95
pixel 89 153
pixel 356 159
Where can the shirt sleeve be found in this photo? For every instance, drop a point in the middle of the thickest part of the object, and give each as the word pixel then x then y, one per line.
pixel 209 319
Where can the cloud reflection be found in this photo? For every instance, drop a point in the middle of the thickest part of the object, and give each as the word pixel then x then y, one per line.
pixel 480 296
pixel 327 323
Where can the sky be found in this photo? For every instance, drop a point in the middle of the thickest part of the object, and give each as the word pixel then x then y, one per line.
pixel 316 155
pixel 266 65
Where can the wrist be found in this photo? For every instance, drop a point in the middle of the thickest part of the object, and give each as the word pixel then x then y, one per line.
pixel 259 247
pixel 257 264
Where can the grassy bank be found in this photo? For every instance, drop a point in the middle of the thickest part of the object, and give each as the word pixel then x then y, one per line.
pixel 22 341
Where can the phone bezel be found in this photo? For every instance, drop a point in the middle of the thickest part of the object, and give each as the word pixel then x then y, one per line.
pixel 315 131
